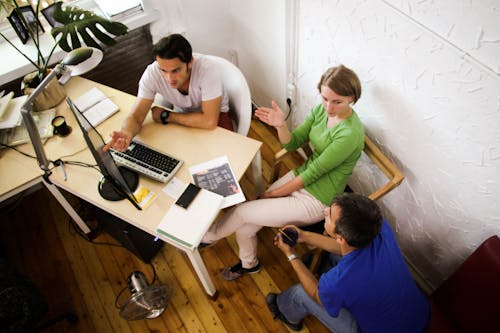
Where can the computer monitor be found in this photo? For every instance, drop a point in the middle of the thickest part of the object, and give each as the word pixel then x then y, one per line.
pixel 117 183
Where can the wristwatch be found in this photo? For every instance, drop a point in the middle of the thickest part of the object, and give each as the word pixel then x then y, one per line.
pixel 292 256
pixel 164 117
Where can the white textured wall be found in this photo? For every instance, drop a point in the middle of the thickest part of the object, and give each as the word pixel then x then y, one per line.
pixel 251 34
pixel 431 100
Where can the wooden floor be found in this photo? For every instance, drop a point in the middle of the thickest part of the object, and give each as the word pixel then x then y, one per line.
pixel 38 238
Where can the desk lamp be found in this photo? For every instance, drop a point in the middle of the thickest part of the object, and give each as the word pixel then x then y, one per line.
pixel 76 62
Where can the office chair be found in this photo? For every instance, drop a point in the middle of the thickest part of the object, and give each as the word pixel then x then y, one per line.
pixel 390 170
pixel 22 306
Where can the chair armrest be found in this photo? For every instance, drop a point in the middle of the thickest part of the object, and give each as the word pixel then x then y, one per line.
pixel 389 169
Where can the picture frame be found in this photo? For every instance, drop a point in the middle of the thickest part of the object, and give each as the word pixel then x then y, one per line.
pixel 31 19
pixel 18 26
pixel 48 13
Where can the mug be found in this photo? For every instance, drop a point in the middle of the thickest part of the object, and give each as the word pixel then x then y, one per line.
pixel 60 126
pixel 290 236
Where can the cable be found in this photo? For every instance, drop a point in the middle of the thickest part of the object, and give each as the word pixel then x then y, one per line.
pixel 57 162
pixel 289 103
pixel 15 149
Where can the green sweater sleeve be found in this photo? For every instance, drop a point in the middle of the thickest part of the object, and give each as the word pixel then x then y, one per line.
pixel 336 151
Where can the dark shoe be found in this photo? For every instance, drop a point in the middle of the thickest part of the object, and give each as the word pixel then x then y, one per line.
pixel 203 245
pixel 236 271
pixel 272 305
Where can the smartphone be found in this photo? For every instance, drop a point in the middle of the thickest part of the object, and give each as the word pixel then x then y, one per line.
pixel 188 196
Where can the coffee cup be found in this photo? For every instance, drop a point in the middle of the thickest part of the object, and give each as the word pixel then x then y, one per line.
pixel 289 236
pixel 61 128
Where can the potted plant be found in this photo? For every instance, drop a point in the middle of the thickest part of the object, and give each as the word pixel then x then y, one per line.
pixel 75 23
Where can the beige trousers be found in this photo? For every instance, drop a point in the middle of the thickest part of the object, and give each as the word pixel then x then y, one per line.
pixel 246 219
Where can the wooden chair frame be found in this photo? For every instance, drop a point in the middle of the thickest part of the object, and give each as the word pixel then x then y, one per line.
pixel 389 169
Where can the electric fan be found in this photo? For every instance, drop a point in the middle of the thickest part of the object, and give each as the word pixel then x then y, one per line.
pixel 146 301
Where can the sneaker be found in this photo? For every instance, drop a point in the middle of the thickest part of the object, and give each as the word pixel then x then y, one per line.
pixel 204 245
pixel 236 271
pixel 272 305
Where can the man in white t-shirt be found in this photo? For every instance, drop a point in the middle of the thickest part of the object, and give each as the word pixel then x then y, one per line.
pixel 191 87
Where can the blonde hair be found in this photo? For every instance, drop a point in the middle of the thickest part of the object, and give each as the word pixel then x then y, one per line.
pixel 343 81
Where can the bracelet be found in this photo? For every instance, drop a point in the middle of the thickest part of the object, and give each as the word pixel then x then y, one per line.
pixel 292 256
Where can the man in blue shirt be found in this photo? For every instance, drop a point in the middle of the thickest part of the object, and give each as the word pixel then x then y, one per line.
pixel 369 290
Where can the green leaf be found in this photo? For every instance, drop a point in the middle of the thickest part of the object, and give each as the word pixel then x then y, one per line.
pixel 77 25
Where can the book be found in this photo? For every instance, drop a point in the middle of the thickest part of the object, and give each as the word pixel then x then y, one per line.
pixel 217 176
pixel 186 227
pixel 96 106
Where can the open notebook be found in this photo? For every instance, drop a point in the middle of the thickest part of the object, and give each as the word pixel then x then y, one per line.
pixel 95 106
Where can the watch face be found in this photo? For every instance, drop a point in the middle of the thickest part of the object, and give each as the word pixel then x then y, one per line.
pixel 164 116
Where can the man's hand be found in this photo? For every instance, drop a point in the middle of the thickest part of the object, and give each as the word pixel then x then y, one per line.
pixel 284 247
pixel 119 140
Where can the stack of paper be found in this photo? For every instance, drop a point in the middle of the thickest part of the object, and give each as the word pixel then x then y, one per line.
pixel 4 102
pixel 96 106
pixel 187 226
pixel 11 110
pixel 12 130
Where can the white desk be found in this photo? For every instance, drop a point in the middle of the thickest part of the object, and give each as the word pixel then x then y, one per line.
pixel 193 146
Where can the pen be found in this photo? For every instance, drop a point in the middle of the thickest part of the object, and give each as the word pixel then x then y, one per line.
pixel 283 233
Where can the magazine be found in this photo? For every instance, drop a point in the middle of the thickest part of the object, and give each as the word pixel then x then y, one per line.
pixel 217 176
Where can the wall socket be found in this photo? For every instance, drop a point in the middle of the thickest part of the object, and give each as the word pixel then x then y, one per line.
pixel 291 92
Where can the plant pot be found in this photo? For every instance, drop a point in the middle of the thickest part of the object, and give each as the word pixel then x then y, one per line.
pixel 52 95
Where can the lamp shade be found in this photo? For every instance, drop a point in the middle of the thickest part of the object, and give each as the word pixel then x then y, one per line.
pixel 82 60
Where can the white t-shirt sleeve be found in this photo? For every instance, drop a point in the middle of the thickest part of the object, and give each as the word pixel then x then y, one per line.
pixel 147 84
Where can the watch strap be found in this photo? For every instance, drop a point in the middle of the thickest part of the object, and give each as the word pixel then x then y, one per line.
pixel 292 256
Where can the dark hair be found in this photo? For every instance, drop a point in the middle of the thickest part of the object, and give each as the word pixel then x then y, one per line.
pixel 343 81
pixel 173 46
pixel 360 219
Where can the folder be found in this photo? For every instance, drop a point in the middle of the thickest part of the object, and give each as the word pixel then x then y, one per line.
pixel 186 227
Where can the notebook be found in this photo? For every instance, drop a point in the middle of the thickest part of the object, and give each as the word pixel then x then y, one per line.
pixel 95 106
pixel 187 226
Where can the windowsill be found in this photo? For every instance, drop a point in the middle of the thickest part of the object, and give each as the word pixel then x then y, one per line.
pixel 14 65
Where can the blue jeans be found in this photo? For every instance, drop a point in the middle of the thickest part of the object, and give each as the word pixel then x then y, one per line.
pixel 295 304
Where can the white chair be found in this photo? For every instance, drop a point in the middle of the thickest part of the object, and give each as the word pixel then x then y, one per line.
pixel 240 104
pixel 235 84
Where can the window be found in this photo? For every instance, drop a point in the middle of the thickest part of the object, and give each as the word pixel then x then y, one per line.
pixel 114 9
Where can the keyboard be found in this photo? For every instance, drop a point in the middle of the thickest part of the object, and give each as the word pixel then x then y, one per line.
pixel 147 161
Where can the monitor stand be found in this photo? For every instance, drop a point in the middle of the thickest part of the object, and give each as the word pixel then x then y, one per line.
pixel 108 190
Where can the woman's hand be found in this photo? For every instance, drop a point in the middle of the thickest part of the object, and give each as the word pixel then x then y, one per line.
pixel 267 195
pixel 272 116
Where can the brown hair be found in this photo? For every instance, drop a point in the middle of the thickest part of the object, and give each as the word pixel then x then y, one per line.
pixel 343 81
